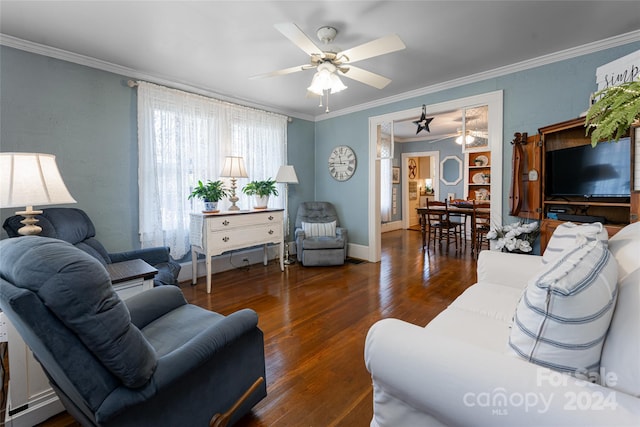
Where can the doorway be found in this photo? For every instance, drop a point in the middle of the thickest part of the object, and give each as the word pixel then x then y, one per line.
pixel 428 168
pixel 495 137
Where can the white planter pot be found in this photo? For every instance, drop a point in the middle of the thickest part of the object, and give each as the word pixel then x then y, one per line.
pixel 210 206
pixel 260 202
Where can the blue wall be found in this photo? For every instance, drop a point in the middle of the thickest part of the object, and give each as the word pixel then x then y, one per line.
pixel 532 99
pixel 87 118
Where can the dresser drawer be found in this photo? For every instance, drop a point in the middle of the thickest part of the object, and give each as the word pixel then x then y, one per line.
pixel 224 240
pixel 217 223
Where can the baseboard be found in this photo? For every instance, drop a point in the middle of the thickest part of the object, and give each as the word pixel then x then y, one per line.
pixel 230 261
pixel 390 226
pixel 358 251
pixel 235 259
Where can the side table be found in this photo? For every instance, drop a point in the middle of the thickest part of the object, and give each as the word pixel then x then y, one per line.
pixel 131 277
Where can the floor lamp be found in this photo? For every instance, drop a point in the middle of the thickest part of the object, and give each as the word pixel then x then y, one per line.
pixel 287 175
pixel 28 179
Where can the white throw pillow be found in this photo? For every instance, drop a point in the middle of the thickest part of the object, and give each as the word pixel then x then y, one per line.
pixel 625 247
pixel 563 316
pixel 568 235
pixel 621 352
pixel 319 229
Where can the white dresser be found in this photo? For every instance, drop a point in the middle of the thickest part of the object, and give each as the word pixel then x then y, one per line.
pixel 213 234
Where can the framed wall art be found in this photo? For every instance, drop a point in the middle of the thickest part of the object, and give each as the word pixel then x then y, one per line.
pixel 395 175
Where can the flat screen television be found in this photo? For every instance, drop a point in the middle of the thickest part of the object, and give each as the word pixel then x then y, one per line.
pixel 602 171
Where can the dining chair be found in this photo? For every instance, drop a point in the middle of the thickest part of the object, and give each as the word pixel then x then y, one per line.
pixel 438 224
pixel 481 224
pixel 459 218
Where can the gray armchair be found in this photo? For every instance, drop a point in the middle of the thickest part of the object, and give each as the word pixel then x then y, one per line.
pixel 319 238
pixel 152 360
pixel 74 226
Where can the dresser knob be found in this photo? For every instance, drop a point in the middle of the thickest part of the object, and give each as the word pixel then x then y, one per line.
pixel 225 239
pixel 225 222
pixel 270 231
pixel 270 218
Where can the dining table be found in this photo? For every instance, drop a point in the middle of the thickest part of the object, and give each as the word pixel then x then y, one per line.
pixel 460 208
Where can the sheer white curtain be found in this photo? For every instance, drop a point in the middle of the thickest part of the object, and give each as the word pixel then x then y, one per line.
pixel 183 138
pixel 385 154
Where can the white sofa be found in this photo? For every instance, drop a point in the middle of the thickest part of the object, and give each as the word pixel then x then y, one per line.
pixel 459 371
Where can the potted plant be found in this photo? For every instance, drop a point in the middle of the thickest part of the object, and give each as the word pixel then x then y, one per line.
pixel 616 109
pixel 261 190
pixel 211 193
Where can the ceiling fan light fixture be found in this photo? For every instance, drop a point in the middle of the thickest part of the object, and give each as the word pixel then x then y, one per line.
pixel 326 79
pixel 468 139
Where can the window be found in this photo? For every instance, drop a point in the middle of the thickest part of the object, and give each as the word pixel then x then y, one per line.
pixel 183 138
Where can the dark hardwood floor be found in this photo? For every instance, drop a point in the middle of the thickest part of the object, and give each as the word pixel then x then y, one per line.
pixel 315 320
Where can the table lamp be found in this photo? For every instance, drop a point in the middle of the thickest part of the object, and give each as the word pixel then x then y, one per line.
pixel 28 179
pixel 287 175
pixel 233 168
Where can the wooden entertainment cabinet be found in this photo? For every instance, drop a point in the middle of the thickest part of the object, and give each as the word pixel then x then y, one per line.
pixel 538 204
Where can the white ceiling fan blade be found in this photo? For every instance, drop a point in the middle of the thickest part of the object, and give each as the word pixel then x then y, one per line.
pixel 300 39
pixel 366 77
pixel 281 72
pixel 439 138
pixel 381 46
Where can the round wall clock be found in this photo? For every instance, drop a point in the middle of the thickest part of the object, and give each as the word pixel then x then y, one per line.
pixel 342 163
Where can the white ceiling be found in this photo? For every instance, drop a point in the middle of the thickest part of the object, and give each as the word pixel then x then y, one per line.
pixel 215 46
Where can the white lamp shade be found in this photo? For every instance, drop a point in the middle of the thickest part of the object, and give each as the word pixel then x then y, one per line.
pixel 31 179
pixel 233 167
pixel 326 79
pixel 287 174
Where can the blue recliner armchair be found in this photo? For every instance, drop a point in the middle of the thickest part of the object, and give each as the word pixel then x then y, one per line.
pixel 74 226
pixel 319 238
pixel 152 360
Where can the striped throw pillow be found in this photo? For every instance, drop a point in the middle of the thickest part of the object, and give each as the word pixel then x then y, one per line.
pixel 568 235
pixel 319 229
pixel 563 316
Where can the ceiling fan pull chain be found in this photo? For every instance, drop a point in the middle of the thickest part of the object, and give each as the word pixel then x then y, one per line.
pixel 327 109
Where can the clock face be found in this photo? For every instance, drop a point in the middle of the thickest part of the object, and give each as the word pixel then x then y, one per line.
pixel 342 163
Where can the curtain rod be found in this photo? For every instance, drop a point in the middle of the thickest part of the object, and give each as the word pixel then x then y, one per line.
pixel 135 83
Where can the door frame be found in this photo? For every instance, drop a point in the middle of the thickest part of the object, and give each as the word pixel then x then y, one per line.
pixel 405 186
pixel 495 127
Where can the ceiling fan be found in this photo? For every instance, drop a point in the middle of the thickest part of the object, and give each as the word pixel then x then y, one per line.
pixel 331 63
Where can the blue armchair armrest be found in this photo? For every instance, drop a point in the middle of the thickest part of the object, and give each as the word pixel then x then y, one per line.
pixel 151 256
pixel 148 306
pixel 232 340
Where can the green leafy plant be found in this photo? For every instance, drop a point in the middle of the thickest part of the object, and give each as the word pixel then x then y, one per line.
pixel 616 108
pixel 212 191
pixel 261 188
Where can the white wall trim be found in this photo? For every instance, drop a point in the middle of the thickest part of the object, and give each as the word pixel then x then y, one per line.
pixel 131 73
pixel 357 251
pixel 562 55
pixel 390 226
pixel 495 102
pixel 405 188
pixel 229 261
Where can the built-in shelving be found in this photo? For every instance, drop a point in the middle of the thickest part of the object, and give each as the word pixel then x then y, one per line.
pixel 616 212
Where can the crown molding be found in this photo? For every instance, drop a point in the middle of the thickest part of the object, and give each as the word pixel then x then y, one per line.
pixel 562 55
pixel 130 73
pixel 64 55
